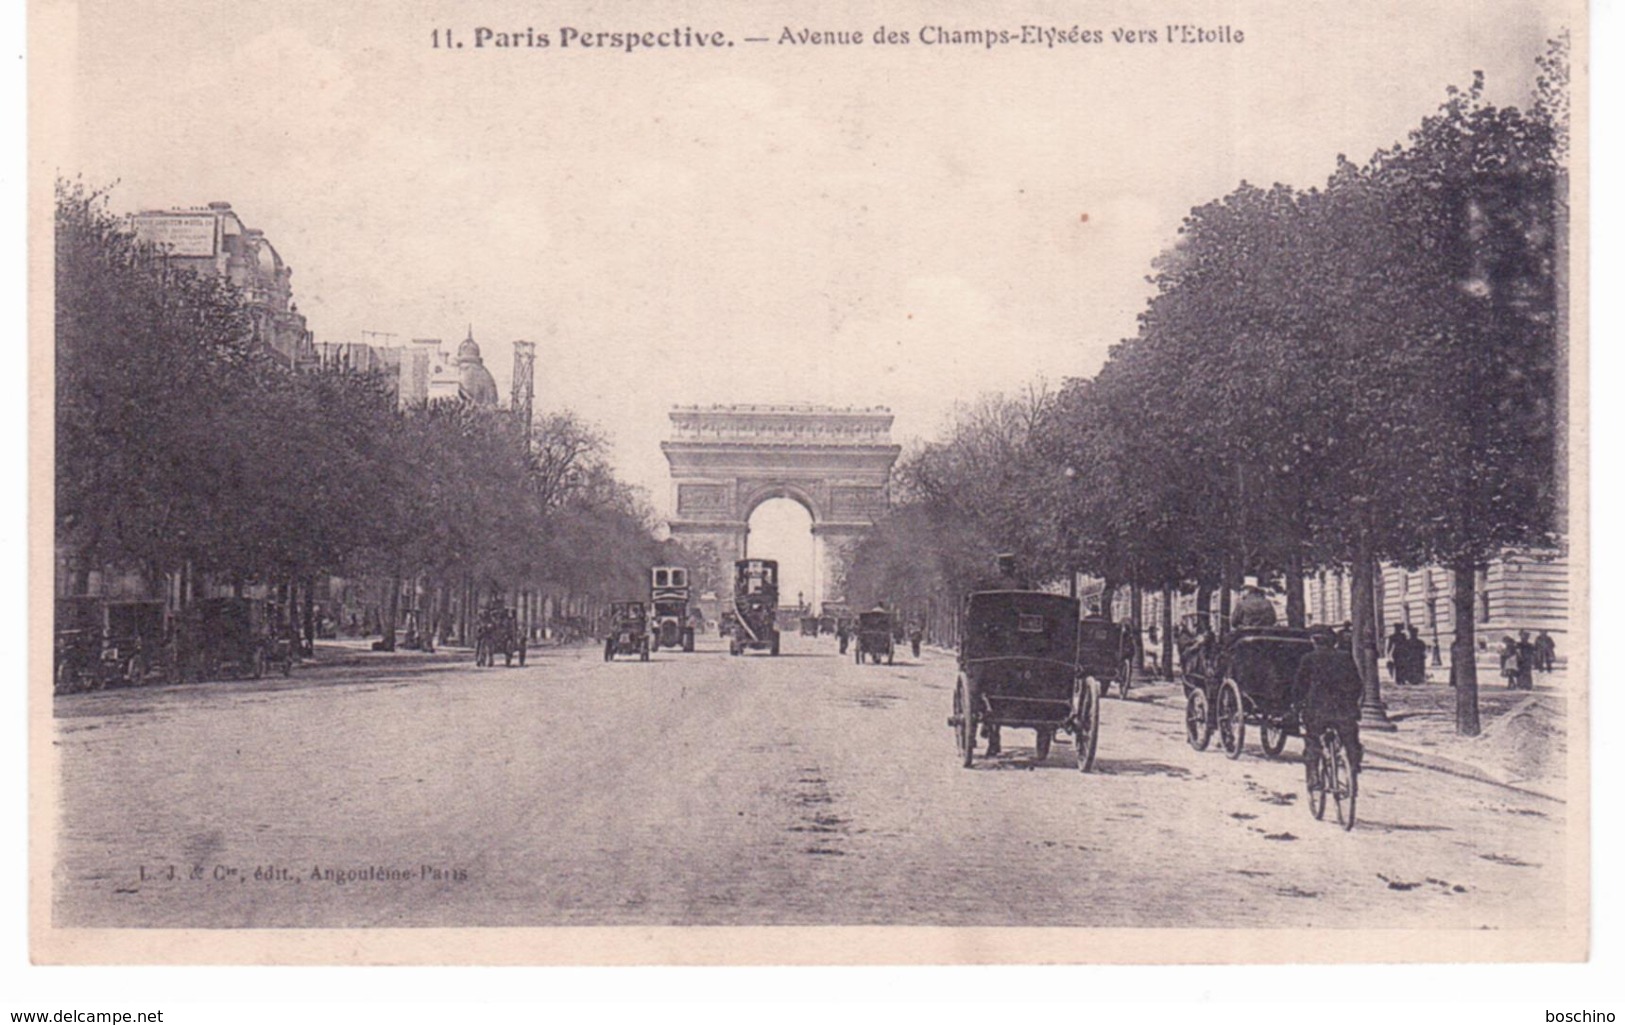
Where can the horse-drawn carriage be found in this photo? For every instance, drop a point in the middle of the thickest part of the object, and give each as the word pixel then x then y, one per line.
pixel 1248 677
pixel 499 634
pixel 1106 652
pixel 1018 666
pixel 875 637
pixel 809 626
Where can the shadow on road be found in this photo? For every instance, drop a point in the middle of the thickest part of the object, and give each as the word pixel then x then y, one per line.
pixel 1139 767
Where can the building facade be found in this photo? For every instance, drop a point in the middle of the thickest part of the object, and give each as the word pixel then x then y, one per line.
pixel 213 240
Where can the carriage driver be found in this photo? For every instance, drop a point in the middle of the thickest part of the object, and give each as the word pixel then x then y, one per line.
pixel 1329 689
pixel 1254 609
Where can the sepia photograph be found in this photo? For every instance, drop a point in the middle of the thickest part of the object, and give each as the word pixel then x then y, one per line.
pixel 727 483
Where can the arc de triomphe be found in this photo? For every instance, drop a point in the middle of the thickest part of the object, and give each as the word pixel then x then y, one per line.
pixel 727 460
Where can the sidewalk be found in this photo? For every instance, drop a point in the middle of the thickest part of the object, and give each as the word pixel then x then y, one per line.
pixel 357 651
pixel 1522 742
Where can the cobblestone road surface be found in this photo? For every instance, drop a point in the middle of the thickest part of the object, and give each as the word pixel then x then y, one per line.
pixel 704 789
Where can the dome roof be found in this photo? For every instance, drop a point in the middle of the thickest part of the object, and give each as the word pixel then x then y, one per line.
pixel 475 383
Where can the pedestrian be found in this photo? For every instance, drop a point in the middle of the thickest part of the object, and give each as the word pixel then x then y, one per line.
pixel 1508 655
pixel 1525 659
pixel 1418 657
pixel 1545 652
pixel 843 633
pixel 916 634
pixel 1395 653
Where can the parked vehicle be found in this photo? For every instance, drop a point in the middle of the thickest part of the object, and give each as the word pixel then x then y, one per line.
pixel 237 636
pixel 809 626
pixel 107 643
pixel 876 639
pixel 1248 679
pixel 1018 667
pixel 628 631
pixel 756 604
pixel 668 595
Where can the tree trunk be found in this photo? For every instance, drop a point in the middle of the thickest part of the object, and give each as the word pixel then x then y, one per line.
pixel 310 617
pixel 1167 630
pixel 1463 652
pixel 393 611
pixel 1296 612
pixel 1136 619
pixel 1363 621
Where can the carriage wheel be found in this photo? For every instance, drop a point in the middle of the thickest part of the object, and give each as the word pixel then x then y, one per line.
pixel 1232 719
pixel 1041 746
pixel 1125 678
pixel 1087 728
pixel 965 732
pixel 1272 735
pixel 1345 785
pixel 1198 723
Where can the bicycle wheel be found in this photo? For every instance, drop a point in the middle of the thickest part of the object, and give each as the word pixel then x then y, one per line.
pixel 1317 794
pixel 1345 784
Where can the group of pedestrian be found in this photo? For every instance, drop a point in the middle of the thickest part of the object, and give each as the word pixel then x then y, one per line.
pixel 1407 657
pixel 1521 659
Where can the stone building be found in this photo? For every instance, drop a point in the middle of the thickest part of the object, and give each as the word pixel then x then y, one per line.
pixel 726 461
pixel 428 372
pixel 213 240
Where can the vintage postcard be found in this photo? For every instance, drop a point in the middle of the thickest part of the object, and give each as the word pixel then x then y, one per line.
pixel 809 482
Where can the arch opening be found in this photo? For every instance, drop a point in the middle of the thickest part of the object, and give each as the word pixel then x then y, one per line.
pixel 781 528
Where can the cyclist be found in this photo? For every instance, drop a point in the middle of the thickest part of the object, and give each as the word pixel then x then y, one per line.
pixel 1328 688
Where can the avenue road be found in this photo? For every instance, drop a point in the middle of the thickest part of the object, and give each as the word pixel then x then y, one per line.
pixel 702 789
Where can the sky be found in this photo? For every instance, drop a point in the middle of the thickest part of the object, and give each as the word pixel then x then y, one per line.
pixel 904 226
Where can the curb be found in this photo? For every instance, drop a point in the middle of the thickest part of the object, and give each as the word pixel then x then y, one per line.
pixel 1379 745
pixel 1449 766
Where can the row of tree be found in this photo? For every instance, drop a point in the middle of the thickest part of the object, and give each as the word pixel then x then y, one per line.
pixel 183 447
pixel 1333 377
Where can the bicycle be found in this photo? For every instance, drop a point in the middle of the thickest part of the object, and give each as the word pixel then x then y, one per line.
pixel 1334 771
